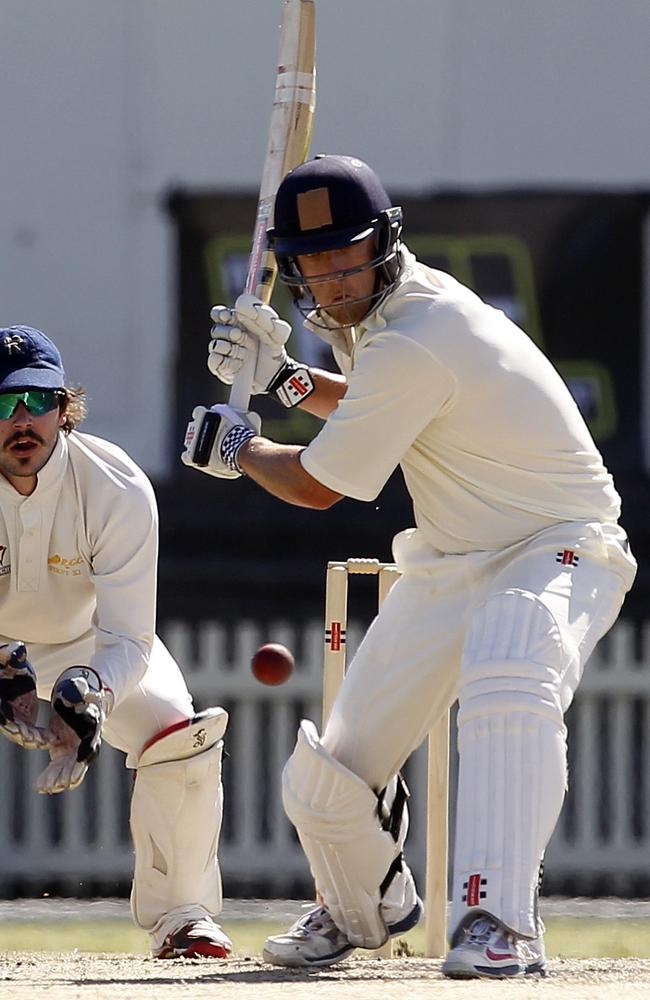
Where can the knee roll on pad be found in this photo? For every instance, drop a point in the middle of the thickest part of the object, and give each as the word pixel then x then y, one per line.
pixel 188 738
pixel 514 659
pixel 176 815
pixel 349 851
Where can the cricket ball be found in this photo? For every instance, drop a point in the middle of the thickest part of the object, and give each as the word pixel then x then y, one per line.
pixel 272 664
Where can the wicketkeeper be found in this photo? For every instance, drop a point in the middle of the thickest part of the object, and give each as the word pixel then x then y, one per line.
pixel 515 568
pixel 78 564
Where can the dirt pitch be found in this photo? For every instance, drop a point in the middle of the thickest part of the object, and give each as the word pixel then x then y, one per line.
pixel 25 975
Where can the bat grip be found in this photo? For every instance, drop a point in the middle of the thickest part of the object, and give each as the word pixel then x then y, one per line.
pixel 242 385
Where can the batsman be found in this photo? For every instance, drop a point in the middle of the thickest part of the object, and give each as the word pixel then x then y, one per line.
pixel 78 564
pixel 514 567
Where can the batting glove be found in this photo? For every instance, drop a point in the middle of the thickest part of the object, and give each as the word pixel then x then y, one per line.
pixel 18 699
pixel 253 325
pixel 214 437
pixel 80 704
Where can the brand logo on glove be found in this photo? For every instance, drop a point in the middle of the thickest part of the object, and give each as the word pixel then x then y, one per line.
pixel 298 386
pixel 295 388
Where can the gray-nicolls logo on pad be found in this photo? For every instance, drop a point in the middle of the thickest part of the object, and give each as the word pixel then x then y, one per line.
pixel 13 344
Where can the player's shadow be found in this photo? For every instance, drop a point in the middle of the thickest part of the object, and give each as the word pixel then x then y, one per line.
pixel 362 970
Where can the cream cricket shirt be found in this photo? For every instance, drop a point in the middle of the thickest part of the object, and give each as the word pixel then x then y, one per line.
pixel 80 553
pixel 491 444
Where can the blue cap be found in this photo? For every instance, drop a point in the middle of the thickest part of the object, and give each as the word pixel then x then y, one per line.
pixel 29 360
pixel 326 203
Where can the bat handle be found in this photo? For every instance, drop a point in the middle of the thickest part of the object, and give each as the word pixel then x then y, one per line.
pixel 240 392
pixel 242 386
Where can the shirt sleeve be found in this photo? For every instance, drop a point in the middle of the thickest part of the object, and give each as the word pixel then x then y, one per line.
pixel 124 567
pixel 396 388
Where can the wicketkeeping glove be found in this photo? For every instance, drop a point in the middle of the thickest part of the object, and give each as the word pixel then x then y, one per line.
pixel 80 704
pixel 18 699
pixel 213 439
pixel 253 325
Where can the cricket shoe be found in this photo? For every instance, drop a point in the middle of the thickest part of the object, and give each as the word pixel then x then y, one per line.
pixel 315 940
pixel 483 948
pixel 195 939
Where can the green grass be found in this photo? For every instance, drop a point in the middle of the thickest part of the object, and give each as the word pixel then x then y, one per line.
pixel 71 935
pixel 590 938
pixel 565 938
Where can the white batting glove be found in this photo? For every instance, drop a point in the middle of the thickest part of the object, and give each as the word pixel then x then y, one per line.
pixel 80 704
pixel 18 699
pixel 253 324
pixel 213 439
pixel 232 337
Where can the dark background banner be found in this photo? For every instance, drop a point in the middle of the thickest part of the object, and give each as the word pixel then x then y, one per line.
pixel 566 266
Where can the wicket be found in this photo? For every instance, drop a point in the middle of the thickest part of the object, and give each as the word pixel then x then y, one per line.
pixel 336 617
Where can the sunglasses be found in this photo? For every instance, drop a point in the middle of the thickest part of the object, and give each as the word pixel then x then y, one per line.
pixel 37 401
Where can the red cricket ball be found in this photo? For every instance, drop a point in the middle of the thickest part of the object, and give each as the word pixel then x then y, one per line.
pixel 273 663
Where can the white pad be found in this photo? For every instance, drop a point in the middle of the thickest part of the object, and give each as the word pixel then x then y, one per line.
pixel 511 742
pixel 176 815
pixel 335 814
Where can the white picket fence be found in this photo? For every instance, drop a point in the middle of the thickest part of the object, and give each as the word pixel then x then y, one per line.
pixel 79 841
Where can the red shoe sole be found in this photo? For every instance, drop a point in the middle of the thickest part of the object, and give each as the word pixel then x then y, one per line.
pixel 206 949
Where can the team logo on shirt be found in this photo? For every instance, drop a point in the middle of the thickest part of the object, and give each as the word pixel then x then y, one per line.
pixel 567 557
pixel 65 567
pixel 4 569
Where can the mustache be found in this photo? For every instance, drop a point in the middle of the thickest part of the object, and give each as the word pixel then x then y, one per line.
pixel 21 435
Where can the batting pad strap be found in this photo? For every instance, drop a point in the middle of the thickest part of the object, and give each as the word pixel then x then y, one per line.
pixel 187 738
pixel 335 814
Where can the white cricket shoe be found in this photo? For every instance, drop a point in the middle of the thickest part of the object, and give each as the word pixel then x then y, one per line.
pixel 315 940
pixel 483 948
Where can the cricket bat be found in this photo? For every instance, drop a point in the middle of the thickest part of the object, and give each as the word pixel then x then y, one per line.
pixel 290 131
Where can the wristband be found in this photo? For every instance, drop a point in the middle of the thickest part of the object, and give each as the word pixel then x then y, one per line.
pixel 232 442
